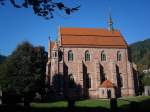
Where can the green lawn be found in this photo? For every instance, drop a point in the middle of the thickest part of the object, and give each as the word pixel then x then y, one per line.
pixel 122 103
pixel 84 103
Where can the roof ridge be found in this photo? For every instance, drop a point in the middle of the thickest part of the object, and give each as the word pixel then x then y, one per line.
pixel 87 28
pixel 90 35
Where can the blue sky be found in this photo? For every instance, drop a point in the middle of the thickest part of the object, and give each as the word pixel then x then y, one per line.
pixel 131 17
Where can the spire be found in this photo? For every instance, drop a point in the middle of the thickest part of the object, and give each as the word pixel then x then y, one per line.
pixel 110 21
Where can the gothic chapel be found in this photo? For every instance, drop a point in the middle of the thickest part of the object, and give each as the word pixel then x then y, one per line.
pixel 90 62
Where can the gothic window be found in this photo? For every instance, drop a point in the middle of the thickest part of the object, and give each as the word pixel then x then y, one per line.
pixel 87 56
pixel 70 56
pixel 103 56
pixel 118 56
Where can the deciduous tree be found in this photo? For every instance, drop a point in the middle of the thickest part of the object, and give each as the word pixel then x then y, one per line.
pixel 44 8
pixel 24 69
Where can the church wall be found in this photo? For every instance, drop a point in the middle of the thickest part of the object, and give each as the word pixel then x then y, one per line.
pixel 111 56
pixel 75 68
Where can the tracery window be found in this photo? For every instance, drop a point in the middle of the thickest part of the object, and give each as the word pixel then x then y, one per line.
pixel 103 56
pixel 87 56
pixel 118 56
pixel 70 55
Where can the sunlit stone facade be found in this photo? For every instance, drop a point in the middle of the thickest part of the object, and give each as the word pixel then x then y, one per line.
pixel 89 57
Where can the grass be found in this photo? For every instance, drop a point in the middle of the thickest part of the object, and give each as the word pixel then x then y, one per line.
pixel 128 100
pixel 58 104
pixel 91 103
pixel 63 104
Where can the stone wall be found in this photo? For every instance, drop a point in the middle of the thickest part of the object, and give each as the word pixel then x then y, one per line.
pixel 111 68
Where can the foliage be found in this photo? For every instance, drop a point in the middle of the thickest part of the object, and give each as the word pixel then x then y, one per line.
pixel 140 53
pixel 24 69
pixel 44 8
pixel 2 58
pixel 146 80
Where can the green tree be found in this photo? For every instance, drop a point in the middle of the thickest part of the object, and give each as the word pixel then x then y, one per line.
pixel 140 52
pixel 44 8
pixel 145 79
pixel 24 69
pixel 2 58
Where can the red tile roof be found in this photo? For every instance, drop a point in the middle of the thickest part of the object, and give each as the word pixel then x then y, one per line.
pixel 107 84
pixel 91 37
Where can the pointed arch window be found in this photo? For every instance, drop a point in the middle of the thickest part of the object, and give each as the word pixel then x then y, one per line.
pixel 70 55
pixel 87 56
pixel 118 56
pixel 103 56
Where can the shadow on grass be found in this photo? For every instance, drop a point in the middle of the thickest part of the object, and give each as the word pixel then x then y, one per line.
pixel 135 106
pixel 19 108
pixel 131 106
pixel 75 109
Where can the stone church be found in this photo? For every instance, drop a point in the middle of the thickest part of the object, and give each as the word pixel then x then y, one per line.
pixel 90 62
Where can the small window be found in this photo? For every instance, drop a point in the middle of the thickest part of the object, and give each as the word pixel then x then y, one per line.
pixel 118 56
pixel 70 56
pixel 103 56
pixel 87 56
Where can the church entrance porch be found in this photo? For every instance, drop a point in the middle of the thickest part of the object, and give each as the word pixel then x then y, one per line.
pixel 107 90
